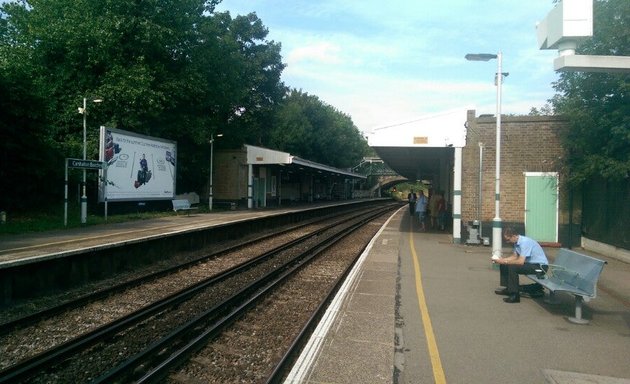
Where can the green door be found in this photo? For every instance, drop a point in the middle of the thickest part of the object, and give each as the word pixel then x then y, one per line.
pixel 541 206
pixel 260 191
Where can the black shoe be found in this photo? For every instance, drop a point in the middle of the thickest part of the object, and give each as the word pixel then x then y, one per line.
pixel 501 291
pixel 513 298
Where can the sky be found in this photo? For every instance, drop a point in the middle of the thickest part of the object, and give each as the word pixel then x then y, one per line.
pixel 388 62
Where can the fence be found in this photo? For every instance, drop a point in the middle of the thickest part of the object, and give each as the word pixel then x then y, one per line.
pixel 606 212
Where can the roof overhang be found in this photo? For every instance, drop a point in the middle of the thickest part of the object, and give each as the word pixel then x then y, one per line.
pixel 447 129
pixel 262 156
pixel 417 149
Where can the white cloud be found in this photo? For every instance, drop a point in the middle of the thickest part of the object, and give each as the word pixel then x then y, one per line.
pixel 321 52
pixel 386 62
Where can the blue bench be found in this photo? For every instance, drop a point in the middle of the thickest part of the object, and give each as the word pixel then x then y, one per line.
pixel 182 205
pixel 574 273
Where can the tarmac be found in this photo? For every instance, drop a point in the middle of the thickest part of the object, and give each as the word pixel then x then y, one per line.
pixel 419 309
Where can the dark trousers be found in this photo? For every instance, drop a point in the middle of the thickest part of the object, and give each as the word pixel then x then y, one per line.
pixel 510 272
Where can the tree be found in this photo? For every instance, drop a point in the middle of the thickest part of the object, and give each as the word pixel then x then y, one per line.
pixel 166 68
pixel 172 69
pixel 597 105
pixel 305 126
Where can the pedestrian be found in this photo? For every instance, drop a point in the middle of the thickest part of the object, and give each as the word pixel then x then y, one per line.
pixel 421 209
pixel 441 207
pixel 411 197
pixel 527 258
pixel 433 208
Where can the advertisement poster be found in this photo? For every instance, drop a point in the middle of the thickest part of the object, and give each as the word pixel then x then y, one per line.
pixel 138 167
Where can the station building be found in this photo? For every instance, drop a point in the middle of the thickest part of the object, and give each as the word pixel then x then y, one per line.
pixel 455 152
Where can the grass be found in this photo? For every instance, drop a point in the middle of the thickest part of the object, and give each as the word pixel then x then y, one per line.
pixel 53 220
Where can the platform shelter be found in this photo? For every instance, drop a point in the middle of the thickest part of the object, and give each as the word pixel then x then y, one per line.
pixel 260 177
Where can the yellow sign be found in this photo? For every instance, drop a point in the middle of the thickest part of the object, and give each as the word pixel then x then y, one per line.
pixel 421 140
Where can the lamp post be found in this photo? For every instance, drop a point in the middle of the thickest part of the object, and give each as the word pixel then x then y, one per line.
pixel 210 178
pixel 497 238
pixel 83 111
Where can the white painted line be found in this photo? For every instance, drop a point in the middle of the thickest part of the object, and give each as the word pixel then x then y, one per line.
pixel 304 363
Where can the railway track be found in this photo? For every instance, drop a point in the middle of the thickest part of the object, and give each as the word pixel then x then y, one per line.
pixel 147 343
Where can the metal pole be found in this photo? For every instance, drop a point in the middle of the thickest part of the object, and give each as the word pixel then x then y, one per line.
pixel 480 204
pixel 65 197
pixel 210 183
pixel 105 191
pixel 84 193
pixel 497 238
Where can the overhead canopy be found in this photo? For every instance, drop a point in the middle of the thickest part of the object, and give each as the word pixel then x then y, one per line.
pixel 418 149
pixel 260 156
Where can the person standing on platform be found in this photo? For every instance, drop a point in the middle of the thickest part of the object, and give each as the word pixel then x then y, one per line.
pixel 527 257
pixel 441 208
pixel 411 197
pixel 433 209
pixel 421 209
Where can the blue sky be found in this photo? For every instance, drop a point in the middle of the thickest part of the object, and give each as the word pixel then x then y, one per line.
pixel 387 62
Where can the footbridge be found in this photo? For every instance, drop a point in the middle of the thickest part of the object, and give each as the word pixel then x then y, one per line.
pixel 385 176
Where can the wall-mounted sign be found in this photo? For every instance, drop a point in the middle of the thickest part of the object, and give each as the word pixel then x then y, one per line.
pixel 421 140
pixel 85 164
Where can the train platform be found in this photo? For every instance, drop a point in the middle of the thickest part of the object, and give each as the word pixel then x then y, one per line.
pixel 419 309
pixel 29 247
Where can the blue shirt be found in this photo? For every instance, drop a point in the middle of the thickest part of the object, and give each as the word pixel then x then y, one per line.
pixel 531 250
pixel 421 204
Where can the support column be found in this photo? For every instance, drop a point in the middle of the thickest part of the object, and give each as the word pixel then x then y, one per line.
pixel 250 186
pixel 457 197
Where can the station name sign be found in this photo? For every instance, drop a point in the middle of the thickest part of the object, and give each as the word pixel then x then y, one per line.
pixel 85 164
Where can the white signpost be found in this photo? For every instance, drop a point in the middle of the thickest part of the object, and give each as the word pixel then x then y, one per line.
pixel 80 164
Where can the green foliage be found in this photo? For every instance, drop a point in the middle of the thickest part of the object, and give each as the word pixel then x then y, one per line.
pixel 52 218
pixel 305 126
pixel 406 187
pixel 173 69
pixel 598 104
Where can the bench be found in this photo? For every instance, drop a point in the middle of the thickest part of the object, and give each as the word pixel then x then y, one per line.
pixel 574 273
pixel 182 205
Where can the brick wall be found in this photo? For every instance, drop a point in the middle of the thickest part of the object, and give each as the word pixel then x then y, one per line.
pixel 528 144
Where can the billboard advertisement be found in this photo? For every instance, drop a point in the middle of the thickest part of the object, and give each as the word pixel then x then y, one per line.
pixel 138 167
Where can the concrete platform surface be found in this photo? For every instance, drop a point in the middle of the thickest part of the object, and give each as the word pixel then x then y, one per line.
pixel 419 309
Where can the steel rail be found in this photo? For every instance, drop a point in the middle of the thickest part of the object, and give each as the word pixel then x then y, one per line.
pixel 30 319
pixel 37 363
pixel 179 356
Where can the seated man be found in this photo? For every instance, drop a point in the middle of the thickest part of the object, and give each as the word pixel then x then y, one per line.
pixel 527 257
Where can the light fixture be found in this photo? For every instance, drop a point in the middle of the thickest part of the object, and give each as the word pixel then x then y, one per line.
pixel 497 238
pixel 210 192
pixel 83 111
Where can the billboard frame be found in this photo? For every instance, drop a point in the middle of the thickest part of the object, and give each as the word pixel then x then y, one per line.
pixel 124 152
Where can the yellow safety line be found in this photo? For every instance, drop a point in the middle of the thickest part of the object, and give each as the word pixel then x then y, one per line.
pixel 438 371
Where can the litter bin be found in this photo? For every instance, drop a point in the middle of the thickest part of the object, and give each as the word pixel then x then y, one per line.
pixel 473 233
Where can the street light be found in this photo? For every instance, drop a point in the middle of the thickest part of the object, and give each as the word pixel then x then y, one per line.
pixel 210 179
pixel 497 237
pixel 83 111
